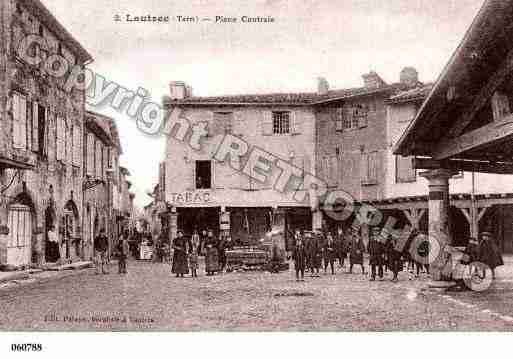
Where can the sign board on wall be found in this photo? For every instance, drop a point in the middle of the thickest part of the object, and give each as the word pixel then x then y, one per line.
pixel 191 197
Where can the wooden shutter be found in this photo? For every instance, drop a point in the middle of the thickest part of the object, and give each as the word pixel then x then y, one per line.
pixel 267 123
pixel 373 167
pixel 105 160
pixel 60 140
pixel 29 122
pixel 296 122
pixel 77 146
pixel 69 143
pixel 35 127
pixel 50 145
pixel 339 119
pixel 90 155
pixel 98 159
pixel 19 110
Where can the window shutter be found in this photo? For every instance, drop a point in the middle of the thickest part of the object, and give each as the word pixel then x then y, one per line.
pixel 29 121
pixel 105 160
pixel 19 107
pixel 333 170
pixel 69 143
pixel 50 145
pixel 90 155
pixel 339 119
pixel 77 146
pixel 163 180
pixel 365 167
pixel 267 123
pixel 296 122
pixel 98 160
pixel 35 127
pixel 60 142
pixel 373 167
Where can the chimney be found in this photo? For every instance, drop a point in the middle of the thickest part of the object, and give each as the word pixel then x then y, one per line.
pixel 409 76
pixel 322 86
pixel 372 80
pixel 178 90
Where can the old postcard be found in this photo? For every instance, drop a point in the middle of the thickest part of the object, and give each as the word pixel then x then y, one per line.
pixel 264 166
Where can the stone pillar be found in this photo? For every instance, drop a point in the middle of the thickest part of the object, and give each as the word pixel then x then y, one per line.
pixel 317 220
pixel 224 222
pixel 439 226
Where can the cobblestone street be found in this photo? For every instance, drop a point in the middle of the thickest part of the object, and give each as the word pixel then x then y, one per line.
pixel 151 298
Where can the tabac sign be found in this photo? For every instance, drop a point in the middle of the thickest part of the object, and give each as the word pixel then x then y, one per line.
pixel 191 197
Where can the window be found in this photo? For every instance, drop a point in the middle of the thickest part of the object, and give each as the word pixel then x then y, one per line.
pixel 19 114
pixel 281 123
pixel 41 31
pixel 405 169
pixel 203 174
pixel 370 168
pixel 360 113
pixel 39 144
pixel 353 117
pixel 224 121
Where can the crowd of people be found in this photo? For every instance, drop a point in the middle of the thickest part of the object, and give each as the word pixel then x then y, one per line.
pixel 312 251
pixel 317 250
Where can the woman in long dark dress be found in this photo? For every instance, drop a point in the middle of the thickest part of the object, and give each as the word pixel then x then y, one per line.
pixel 489 253
pixel 211 254
pixel 180 246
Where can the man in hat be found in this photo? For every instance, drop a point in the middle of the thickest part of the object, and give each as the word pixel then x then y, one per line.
pixel 357 247
pixel 376 253
pixel 340 246
pixel 489 253
pixel 299 256
pixel 312 251
pixel 211 253
pixel 101 245
pixel 329 253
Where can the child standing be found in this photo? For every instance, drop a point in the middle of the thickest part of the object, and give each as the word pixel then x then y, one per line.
pixel 193 255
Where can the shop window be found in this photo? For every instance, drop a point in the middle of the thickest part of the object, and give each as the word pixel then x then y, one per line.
pixel 203 174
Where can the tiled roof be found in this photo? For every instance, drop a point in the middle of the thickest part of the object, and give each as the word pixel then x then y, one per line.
pixel 418 93
pixel 301 98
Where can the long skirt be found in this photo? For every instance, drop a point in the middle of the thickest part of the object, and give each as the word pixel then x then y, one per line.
pixel 212 260
pixel 180 265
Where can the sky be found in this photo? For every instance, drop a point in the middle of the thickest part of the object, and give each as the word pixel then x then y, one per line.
pixel 338 40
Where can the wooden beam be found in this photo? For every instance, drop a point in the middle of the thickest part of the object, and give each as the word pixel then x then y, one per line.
pixel 484 95
pixel 463 165
pixel 481 213
pixel 466 213
pixel 488 134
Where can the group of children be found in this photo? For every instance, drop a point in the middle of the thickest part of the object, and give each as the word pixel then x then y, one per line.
pixel 316 249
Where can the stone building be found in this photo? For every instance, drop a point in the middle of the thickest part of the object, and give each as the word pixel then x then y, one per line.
pixel 202 192
pixel 41 126
pixel 102 189
pixel 322 133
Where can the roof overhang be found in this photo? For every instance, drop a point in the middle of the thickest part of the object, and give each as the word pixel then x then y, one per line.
pixel 478 61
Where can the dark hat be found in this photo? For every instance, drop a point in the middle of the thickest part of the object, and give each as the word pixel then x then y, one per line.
pixel 486 233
